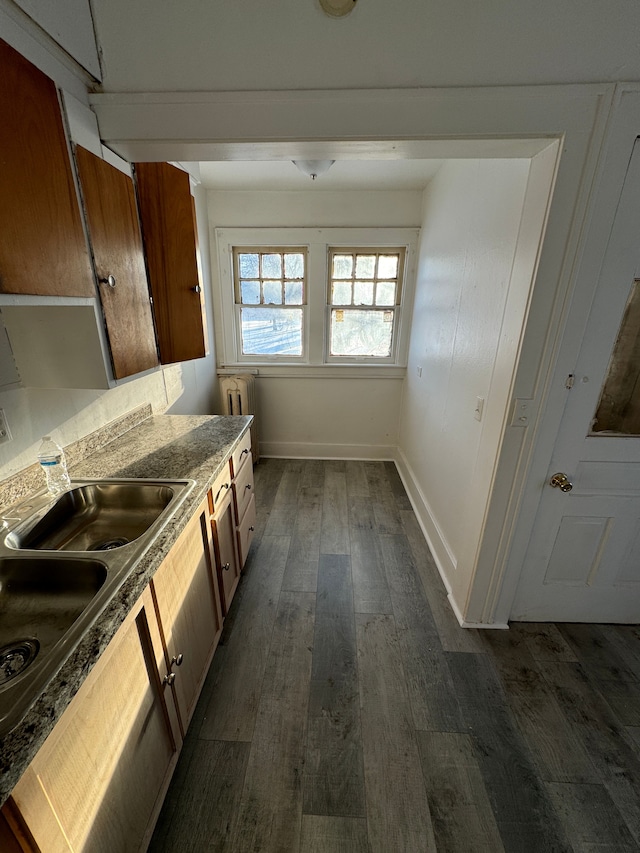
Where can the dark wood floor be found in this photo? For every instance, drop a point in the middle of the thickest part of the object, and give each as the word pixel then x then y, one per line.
pixel 345 710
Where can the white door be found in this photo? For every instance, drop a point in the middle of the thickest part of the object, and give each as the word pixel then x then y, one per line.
pixel 583 560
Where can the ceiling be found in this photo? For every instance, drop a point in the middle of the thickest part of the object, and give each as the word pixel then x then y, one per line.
pixel 343 175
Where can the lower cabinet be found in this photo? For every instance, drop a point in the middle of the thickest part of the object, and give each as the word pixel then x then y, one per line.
pixel 98 782
pixel 224 534
pixel 187 598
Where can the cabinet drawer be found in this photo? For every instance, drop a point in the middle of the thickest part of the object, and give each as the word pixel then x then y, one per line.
pixel 220 488
pixel 246 530
pixel 241 454
pixel 243 490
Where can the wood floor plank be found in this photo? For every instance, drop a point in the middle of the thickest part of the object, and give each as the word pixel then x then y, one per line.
pixel 233 706
pixel 460 809
pixel 285 503
pixel 361 514
pixel 370 587
pixel 270 811
pixel 335 514
pixel 431 692
pixel 523 811
pixel 333 773
pixel 206 805
pixel 334 835
pixel 397 487
pixel 625 639
pixel 544 641
pixel 452 637
pixel 594 821
pixel 603 660
pixel 557 751
pixel 634 733
pixel 357 483
pixel 397 806
pixel 623 698
pixel 312 474
pixel 301 571
pixel 267 475
pixel 604 737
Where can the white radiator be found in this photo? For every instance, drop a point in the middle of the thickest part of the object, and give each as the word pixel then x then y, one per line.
pixel 239 398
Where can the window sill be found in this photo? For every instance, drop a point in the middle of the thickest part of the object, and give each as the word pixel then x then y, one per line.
pixel 317 371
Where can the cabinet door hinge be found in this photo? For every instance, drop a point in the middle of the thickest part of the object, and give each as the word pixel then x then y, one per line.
pixel 569 382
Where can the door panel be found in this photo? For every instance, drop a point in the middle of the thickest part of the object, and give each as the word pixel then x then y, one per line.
pixel 117 249
pixel 583 560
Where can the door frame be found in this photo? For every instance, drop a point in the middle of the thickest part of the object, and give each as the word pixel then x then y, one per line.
pixel 187 126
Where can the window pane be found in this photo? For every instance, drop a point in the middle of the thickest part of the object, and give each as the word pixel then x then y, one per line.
pixel 341 293
pixel 293 292
pixel 386 293
pixel 342 266
pixel 365 266
pixel 249 267
pixel 272 292
pixel 271 266
pixel 361 333
pixel 271 331
pixel 387 266
pixel 294 265
pixel 250 292
pixel 363 293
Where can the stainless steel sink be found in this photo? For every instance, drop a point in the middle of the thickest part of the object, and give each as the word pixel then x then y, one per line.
pixel 94 517
pixel 62 560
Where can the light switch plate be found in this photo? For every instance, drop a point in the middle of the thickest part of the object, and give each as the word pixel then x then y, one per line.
pixel 5 432
pixel 477 413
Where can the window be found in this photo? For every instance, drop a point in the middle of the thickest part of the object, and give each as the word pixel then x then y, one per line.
pixel 364 293
pixel 323 300
pixel 270 294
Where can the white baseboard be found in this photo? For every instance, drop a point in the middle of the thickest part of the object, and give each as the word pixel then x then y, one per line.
pixel 301 450
pixel 443 556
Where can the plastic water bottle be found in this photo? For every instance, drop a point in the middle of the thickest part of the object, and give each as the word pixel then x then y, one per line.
pixel 54 465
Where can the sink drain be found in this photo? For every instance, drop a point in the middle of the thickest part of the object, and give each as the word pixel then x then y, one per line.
pixel 16 657
pixel 110 544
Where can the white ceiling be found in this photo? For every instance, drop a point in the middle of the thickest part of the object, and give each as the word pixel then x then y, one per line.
pixel 343 175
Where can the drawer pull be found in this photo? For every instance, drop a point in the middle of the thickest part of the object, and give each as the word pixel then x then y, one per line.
pixel 222 488
pixel 251 529
pixel 177 659
pixel 248 486
pixel 246 450
pixel 226 567
pixel 169 679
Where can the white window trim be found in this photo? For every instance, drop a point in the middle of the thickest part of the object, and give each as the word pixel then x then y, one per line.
pixel 315 330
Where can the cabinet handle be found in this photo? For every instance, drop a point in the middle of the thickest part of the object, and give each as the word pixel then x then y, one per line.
pixel 110 280
pixel 169 679
pixel 248 486
pixel 246 450
pixel 177 659
pixel 252 528
pixel 196 289
pixel 226 567
pixel 224 486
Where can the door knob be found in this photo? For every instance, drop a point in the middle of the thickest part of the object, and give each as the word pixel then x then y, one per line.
pixel 561 481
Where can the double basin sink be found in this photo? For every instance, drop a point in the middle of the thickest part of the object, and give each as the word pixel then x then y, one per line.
pixel 62 560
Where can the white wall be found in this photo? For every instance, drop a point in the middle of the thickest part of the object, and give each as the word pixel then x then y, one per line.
pixel 470 229
pixel 310 413
pixel 253 45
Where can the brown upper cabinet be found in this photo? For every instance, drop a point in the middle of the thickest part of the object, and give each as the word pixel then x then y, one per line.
pixel 170 242
pixel 43 250
pixel 114 232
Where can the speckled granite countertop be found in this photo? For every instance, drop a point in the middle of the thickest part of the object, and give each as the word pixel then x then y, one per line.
pixel 175 447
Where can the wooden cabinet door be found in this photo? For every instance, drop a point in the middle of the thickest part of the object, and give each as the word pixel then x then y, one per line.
pixel 114 232
pixel 169 234
pixel 97 783
pixel 43 249
pixel 189 611
pixel 224 532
